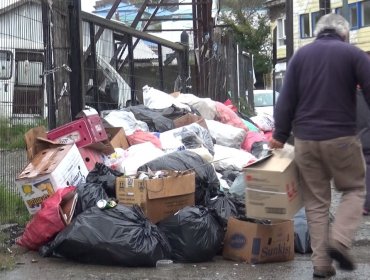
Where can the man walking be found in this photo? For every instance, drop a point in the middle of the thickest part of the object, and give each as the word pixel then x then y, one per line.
pixel 318 103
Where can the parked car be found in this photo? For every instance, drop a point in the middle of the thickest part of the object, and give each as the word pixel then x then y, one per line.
pixel 263 101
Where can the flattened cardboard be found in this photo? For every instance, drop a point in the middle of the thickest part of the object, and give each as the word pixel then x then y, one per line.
pixel 159 198
pixel 273 188
pixel 50 170
pixel 259 243
pixel 67 207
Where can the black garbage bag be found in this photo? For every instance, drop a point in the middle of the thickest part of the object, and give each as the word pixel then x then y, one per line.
pixel 196 136
pixel 224 207
pixel 194 233
pixel 105 176
pixel 153 118
pixel 302 239
pixel 116 236
pixel 88 195
pixel 206 181
pixel 239 202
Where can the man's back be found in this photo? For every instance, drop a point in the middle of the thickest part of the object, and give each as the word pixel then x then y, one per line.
pixel 321 83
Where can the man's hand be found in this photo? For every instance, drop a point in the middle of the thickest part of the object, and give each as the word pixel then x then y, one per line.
pixel 275 144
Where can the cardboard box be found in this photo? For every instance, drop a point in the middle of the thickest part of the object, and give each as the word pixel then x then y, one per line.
pixel 87 131
pixel 272 187
pixel 259 243
pixel 50 170
pixel 189 119
pixel 117 137
pixel 90 157
pixel 159 198
pixel 36 141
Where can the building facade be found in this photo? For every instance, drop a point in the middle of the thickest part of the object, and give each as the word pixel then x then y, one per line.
pixel 306 13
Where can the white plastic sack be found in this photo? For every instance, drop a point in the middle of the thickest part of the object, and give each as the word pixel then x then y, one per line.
pixel 126 120
pixel 156 99
pixel 226 135
pixel 203 153
pixel 170 142
pixel 205 106
pixel 231 158
pixel 128 161
pixel 264 121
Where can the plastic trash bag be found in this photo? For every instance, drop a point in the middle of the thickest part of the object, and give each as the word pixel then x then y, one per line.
pixel 194 233
pixel 105 176
pixel 115 236
pixel 224 207
pixel 302 239
pixel 88 195
pixel 46 223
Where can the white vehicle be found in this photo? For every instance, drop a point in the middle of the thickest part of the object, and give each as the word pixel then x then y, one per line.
pixel 263 101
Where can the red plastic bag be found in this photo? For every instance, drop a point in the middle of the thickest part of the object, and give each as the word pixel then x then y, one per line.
pixel 46 223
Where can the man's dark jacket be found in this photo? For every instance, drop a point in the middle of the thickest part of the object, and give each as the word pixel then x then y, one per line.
pixel 318 98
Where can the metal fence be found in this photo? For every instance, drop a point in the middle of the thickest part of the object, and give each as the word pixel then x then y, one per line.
pixel 49 62
pixel 35 78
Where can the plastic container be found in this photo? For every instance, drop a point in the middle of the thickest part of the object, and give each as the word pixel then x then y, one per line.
pixel 164 264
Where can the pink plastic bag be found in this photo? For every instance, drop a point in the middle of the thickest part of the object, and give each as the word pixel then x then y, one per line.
pixel 139 137
pixel 252 137
pixel 228 116
pixel 46 223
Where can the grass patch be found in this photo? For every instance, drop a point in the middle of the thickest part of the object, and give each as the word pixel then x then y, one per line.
pixel 12 208
pixel 12 135
pixel 7 261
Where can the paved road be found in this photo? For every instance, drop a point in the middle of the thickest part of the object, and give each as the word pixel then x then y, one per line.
pixel 32 267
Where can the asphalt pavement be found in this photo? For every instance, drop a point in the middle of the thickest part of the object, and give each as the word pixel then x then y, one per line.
pixel 31 266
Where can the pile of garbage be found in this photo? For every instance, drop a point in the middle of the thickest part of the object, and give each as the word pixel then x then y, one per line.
pixel 163 180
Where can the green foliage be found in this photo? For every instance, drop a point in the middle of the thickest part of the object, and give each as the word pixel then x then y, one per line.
pixel 251 30
pixel 12 136
pixel 12 208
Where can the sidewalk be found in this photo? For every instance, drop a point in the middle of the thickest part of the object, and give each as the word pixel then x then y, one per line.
pixel 363 234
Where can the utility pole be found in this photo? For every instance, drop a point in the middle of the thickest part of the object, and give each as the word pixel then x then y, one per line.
pixel 76 77
pixel 289 29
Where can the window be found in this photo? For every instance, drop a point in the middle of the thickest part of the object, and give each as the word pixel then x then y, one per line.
pixel 366 13
pixel 29 68
pixel 281 32
pixel 305 26
pixel 315 18
pixel 353 15
pixel 6 62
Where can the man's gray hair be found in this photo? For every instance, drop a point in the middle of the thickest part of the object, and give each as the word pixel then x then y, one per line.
pixel 333 22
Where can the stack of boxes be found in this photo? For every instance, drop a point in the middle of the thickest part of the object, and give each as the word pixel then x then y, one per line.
pixel 272 198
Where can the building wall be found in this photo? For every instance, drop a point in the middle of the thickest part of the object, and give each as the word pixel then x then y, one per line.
pixel 358 37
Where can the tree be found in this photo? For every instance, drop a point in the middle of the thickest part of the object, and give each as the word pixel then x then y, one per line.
pixel 250 25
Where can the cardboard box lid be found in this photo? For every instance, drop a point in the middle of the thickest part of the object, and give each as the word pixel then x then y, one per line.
pixel 171 186
pixel 36 141
pixel 45 162
pixel 278 162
